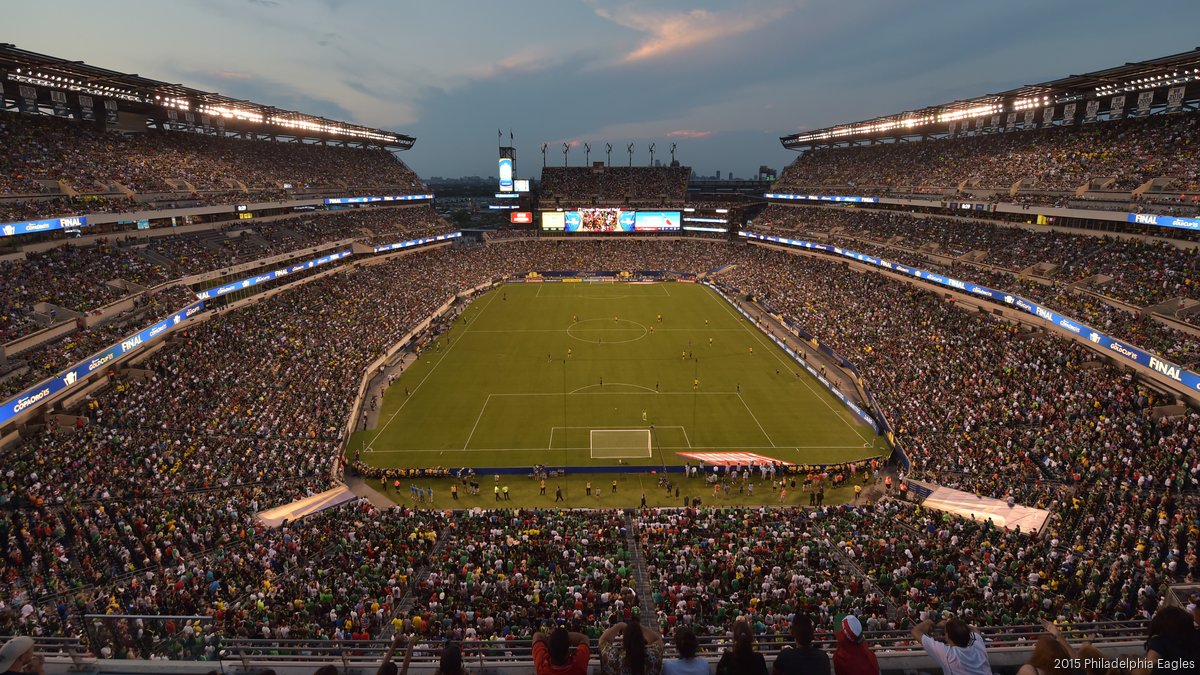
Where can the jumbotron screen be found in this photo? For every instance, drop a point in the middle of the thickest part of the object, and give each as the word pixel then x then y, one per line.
pixel 610 220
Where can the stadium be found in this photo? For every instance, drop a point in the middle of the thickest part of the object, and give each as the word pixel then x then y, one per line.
pixel 267 409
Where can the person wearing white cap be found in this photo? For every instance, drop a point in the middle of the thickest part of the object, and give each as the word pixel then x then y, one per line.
pixel 16 656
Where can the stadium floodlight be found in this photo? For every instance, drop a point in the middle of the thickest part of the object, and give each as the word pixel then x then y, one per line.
pixel 975 111
pixel 327 127
pixel 1029 103
pixel 232 113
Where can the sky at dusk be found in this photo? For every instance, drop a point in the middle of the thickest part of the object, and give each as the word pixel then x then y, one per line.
pixel 723 80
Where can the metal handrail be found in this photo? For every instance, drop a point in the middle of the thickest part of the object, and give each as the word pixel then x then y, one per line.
pixel 253 651
pixel 71 647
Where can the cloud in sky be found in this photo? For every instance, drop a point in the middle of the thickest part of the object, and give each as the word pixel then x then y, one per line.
pixel 689 133
pixel 225 75
pixel 723 78
pixel 668 32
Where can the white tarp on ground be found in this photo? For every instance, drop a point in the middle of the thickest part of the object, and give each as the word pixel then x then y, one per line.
pixel 976 507
pixel 305 507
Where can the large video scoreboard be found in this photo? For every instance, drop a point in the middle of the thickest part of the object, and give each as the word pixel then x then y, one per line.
pixel 610 220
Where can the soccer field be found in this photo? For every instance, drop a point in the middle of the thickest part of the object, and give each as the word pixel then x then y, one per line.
pixel 588 374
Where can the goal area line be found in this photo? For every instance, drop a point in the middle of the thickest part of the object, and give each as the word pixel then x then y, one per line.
pixel 620 443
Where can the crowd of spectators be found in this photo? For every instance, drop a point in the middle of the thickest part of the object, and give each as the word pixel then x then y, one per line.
pixel 338 574
pixel 707 567
pixel 71 277
pixel 1087 305
pixel 504 574
pixel 76 278
pixel 581 185
pixel 34 364
pixel 17 210
pixel 147 510
pixel 1141 273
pixel 89 159
pixel 247 241
pixel 1131 151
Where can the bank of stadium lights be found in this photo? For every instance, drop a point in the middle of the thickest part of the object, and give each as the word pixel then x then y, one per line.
pixel 231 113
pixel 1030 103
pixel 977 111
pixel 293 123
pixel 874 127
pixel 59 82
pixel 889 125
pixel 328 128
pixel 168 102
pixel 1151 82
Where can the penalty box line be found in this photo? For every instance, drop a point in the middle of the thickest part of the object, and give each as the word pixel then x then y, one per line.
pixel 550 445
pixel 488 400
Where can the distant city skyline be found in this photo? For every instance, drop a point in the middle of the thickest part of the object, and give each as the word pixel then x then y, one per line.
pixel 722 78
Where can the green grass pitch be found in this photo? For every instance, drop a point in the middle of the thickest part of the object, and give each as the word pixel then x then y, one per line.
pixel 537 368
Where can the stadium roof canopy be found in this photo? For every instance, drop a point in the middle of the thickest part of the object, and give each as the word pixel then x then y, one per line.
pixel 1156 77
pixel 160 100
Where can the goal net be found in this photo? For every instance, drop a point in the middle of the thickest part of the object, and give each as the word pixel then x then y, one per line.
pixel 620 443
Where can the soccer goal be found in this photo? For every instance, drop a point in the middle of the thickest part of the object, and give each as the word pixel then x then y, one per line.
pixel 620 443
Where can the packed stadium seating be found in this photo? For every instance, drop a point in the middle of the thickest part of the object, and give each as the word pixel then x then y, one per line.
pixel 510 573
pixel 49 357
pixel 1139 273
pixel 77 278
pixel 579 185
pixel 54 149
pixel 1131 151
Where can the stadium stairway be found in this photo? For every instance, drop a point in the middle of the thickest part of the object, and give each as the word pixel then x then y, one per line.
pixel 155 258
pixel 851 567
pixel 639 567
pixel 406 603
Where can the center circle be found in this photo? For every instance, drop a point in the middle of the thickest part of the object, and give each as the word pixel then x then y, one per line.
pixel 604 331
